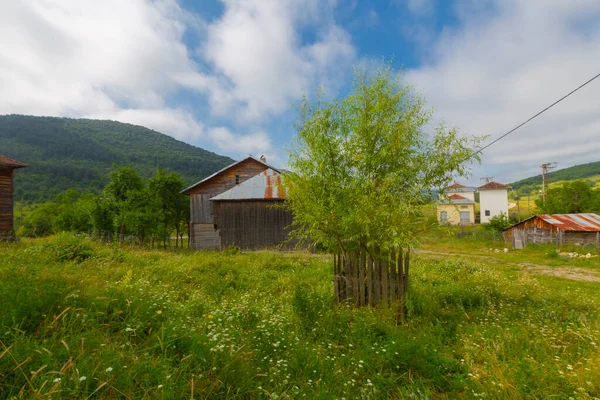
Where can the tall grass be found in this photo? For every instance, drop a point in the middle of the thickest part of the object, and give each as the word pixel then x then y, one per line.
pixel 132 323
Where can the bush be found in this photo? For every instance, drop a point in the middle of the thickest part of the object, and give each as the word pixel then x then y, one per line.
pixel 71 248
pixel 498 223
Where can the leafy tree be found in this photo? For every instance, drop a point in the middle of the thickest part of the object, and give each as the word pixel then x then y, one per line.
pixel 571 197
pixel 171 208
pixel 363 167
pixel 498 223
pixel 124 192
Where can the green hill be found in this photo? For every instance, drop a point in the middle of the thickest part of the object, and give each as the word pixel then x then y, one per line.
pixel 583 171
pixel 68 153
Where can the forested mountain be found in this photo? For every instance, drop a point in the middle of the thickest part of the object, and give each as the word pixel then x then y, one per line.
pixel 568 174
pixel 77 154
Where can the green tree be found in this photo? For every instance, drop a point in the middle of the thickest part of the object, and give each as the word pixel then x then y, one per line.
pixel 125 194
pixel 170 207
pixel 363 167
pixel 571 197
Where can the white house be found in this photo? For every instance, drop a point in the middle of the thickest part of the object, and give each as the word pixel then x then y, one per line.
pixel 493 200
pixel 464 191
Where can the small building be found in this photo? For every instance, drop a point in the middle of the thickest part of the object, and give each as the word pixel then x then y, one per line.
pixel 7 168
pixel 555 229
pixel 457 207
pixel 493 200
pixel 250 215
pixel 204 233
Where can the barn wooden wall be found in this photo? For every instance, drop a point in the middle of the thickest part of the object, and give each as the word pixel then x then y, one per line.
pixel 252 224
pixel 202 232
pixel 538 231
pixel 6 201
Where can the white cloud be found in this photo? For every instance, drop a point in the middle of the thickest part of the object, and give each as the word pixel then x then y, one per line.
pixel 110 58
pixel 241 145
pixel 126 60
pixel 256 47
pixel 506 62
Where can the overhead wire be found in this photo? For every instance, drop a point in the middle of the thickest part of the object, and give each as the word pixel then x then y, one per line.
pixel 535 116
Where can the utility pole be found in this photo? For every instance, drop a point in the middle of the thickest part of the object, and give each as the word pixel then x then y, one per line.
pixel 547 167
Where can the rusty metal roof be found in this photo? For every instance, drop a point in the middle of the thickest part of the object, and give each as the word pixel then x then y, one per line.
pixel 584 222
pixel 494 186
pixel 264 186
pixel 457 199
pixel 9 162
pixel 184 191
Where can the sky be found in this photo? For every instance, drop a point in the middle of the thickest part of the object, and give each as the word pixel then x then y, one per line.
pixel 228 75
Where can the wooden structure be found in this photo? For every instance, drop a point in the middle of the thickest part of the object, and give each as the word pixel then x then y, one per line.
pixel 361 280
pixel 7 168
pixel 555 229
pixel 204 231
pixel 250 214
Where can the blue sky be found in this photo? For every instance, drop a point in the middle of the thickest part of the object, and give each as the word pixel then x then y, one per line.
pixel 227 75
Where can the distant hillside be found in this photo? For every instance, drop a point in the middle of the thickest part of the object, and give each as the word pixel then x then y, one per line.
pixel 78 153
pixel 568 174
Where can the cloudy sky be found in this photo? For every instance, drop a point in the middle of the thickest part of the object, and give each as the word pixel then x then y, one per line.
pixel 227 75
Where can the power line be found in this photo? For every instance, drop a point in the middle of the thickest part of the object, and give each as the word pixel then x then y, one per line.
pixel 539 113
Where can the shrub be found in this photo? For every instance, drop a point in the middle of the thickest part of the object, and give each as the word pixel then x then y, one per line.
pixel 498 223
pixel 69 247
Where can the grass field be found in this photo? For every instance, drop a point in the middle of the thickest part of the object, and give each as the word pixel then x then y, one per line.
pixel 86 320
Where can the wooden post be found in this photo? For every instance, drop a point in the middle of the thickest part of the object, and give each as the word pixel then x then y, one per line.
pixel 376 281
pixel 361 279
pixel 370 279
pixel 393 277
pixel 355 278
pixel 384 280
pixel 336 288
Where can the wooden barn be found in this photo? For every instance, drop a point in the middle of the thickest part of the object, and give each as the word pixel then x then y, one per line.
pixel 555 228
pixel 248 215
pixel 7 169
pixel 245 217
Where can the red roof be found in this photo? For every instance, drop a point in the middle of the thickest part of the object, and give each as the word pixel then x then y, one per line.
pixel 9 162
pixel 573 222
pixel 494 186
pixel 457 197
pixel 457 186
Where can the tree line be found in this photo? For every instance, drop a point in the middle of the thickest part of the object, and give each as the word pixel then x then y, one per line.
pixel 128 205
pixel 571 197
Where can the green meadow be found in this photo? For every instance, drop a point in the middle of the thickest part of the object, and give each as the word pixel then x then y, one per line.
pixel 81 319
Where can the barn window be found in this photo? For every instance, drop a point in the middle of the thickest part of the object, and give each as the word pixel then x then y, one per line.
pixel 487 213
pixel 443 217
pixel 237 179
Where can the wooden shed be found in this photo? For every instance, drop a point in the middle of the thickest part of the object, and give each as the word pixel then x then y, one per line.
pixel 204 233
pixel 555 228
pixel 7 169
pixel 249 216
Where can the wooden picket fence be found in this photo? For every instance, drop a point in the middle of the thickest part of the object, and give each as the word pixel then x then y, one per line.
pixel 361 280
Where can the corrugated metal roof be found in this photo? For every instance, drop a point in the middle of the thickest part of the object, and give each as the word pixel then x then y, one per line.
pixel 456 186
pixel 457 199
pixel 494 186
pixel 264 186
pixel 584 222
pixel 9 162
pixel 225 169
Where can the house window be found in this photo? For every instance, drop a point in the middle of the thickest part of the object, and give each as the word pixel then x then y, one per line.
pixel 237 179
pixel 487 213
pixel 443 217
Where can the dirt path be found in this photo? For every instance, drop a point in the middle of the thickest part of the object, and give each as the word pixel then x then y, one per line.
pixel 572 273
